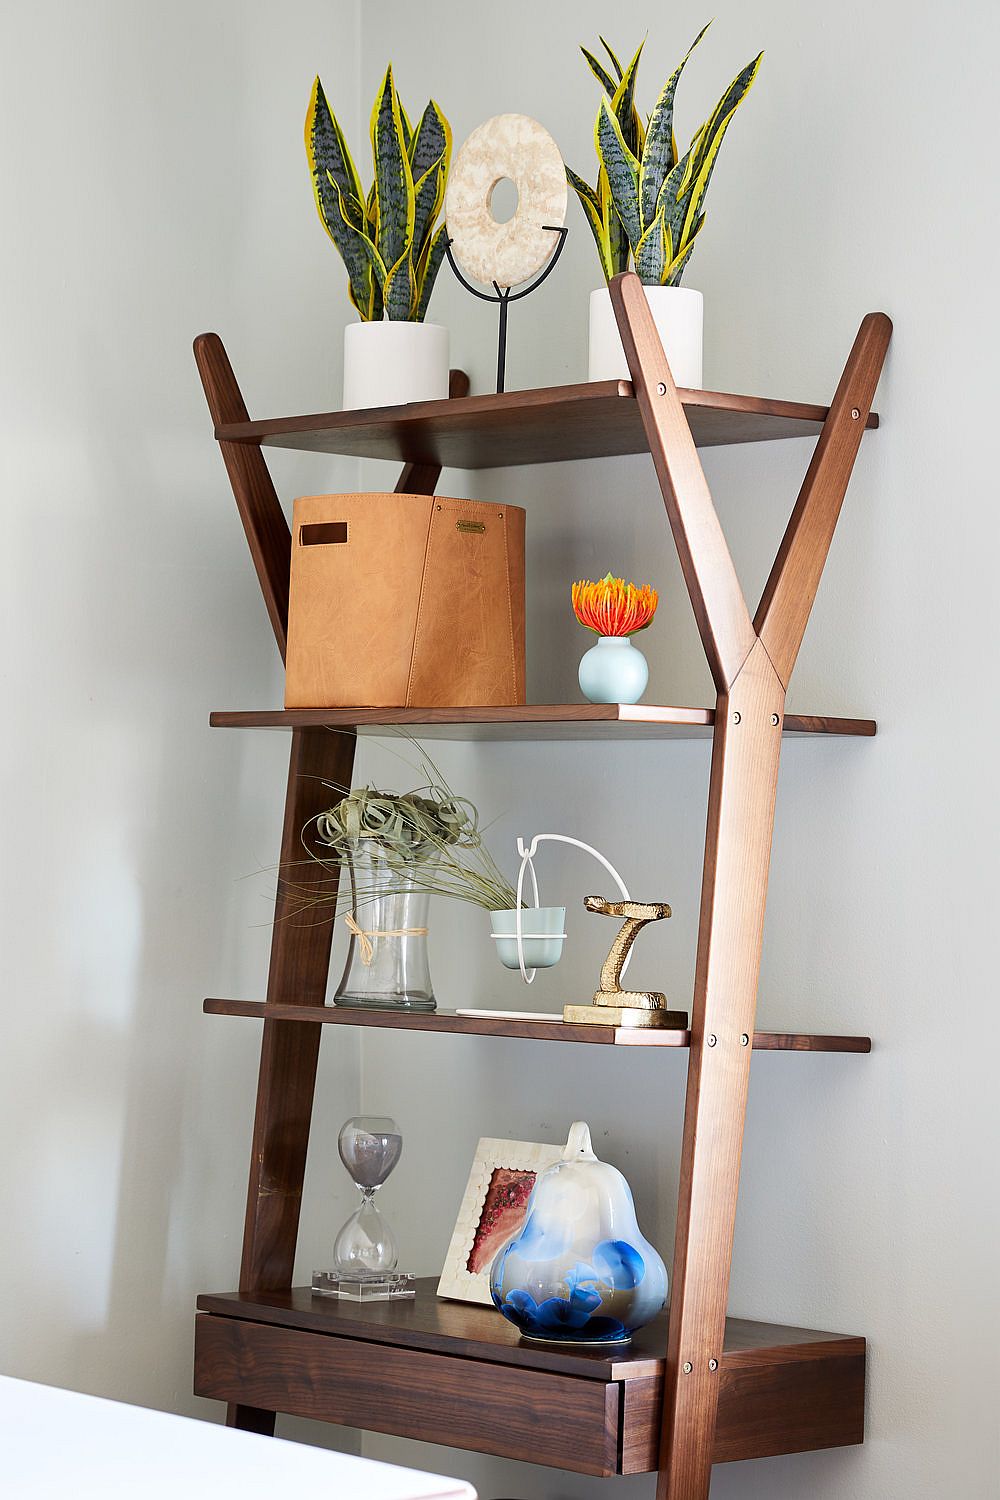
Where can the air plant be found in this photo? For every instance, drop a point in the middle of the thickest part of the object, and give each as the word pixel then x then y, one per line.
pixel 613 607
pixel 648 204
pixel 430 840
pixel 388 237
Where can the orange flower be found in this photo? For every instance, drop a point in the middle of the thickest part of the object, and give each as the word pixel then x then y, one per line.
pixel 614 607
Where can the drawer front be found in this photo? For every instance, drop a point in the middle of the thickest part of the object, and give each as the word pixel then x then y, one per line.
pixel 526 1414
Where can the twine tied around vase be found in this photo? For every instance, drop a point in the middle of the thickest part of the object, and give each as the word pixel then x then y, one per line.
pixel 365 938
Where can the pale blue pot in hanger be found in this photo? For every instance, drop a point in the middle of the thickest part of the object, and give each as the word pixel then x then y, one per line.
pixel 613 671
pixel 579 1271
pixel 542 936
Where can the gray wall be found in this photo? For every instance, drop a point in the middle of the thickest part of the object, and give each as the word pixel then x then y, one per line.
pixel 155 187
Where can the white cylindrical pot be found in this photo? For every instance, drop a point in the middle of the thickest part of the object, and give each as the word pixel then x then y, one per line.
pixel 678 315
pixel 390 363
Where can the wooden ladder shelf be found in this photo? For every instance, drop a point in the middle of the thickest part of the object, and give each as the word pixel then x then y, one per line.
pixel 457 1374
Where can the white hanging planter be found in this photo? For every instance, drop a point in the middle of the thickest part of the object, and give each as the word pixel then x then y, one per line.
pixel 541 941
pixel 678 312
pixel 390 363
pixel 532 937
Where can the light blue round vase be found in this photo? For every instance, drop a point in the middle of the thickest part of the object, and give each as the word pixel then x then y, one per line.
pixel 613 671
pixel 579 1271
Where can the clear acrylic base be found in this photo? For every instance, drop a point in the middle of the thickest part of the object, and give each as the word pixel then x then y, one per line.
pixel 377 1286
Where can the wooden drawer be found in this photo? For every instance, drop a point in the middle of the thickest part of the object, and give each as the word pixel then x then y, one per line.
pixel 457 1374
pixel 492 1408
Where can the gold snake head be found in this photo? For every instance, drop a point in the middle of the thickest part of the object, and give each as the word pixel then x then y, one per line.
pixel 637 911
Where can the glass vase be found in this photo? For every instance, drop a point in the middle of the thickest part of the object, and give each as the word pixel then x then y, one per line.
pixel 387 966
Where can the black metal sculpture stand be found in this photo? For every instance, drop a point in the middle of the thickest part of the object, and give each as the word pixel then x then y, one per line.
pixel 504 295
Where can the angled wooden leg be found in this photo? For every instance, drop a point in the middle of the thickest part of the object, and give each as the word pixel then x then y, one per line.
pixel 751 662
pixel 250 1419
pixel 745 755
pixel 720 610
pixel 788 596
pixel 260 511
pixel 300 961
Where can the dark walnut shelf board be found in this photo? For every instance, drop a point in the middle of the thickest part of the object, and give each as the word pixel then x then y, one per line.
pixel 531 721
pixel 456 1373
pixel 447 1021
pixel 599 420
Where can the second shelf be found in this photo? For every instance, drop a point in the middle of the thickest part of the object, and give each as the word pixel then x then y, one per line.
pixel 528 721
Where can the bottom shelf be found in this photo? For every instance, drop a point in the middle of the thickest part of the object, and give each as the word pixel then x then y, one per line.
pixel 457 1374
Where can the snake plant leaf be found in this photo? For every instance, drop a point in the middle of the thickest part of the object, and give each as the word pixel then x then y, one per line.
pixel 614 60
pixel 404 120
pixel 594 213
pixel 618 243
pixel 393 179
pixel 428 196
pixel 672 199
pixel 711 136
pixel 352 243
pixel 674 272
pixel 427 268
pixel 399 291
pixel 376 264
pixel 622 170
pixel 583 189
pixel 659 154
pixel 431 141
pixel 623 106
pixel 654 252
pixel 600 72
pixel 327 150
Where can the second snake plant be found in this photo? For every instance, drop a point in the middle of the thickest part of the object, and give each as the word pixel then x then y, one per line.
pixel 389 237
pixel 648 204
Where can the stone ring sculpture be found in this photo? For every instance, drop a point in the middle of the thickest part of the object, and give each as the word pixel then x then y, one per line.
pixel 516 147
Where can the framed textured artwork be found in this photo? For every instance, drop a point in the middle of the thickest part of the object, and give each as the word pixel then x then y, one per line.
pixel 493 1209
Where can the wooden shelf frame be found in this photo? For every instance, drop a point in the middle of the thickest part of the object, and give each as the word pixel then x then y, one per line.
pixel 529 721
pixel 751 660
pixel 450 1022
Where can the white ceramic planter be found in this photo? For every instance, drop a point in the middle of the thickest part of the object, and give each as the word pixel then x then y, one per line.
pixel 678 315
pixel 389 363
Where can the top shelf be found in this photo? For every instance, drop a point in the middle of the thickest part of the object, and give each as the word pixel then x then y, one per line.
pixel 551 425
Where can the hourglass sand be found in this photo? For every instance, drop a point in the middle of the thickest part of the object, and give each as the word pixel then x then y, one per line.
pixel 364 1252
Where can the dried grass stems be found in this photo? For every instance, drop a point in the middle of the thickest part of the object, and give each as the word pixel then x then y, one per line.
pixel 427 840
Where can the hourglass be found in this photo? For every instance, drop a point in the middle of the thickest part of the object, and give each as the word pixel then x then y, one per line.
pixel 364 1252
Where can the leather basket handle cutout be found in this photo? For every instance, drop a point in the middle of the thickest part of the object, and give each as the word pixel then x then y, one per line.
pixel 322 533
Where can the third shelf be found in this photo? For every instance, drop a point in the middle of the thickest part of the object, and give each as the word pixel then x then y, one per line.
pixel 554 1030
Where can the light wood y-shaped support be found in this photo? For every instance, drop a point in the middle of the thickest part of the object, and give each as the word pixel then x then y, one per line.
pixel 751 661
pixel 300 944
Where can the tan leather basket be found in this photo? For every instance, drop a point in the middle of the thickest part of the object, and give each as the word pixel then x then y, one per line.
pixel 405 601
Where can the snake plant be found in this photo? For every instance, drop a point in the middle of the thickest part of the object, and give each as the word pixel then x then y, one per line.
pixel 648 204
pixel 387 237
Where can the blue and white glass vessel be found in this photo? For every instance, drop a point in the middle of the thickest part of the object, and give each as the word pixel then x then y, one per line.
pixel 579 1271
